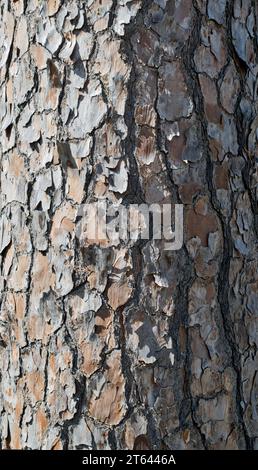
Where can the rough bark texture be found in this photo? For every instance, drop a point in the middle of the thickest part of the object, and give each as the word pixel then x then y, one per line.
pixel 128 346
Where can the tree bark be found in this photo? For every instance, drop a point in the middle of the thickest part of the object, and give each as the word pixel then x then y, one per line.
pixel 125 345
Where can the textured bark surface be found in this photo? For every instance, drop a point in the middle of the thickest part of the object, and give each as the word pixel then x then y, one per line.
pixel 126 345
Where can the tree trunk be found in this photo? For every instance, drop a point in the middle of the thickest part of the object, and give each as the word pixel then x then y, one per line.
pixel 125 345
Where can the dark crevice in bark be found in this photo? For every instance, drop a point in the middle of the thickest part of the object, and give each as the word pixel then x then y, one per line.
pixel 180 318
pixel 134 195
pixel 29 286
pixel 246 173
pixel 243 131
pixel 223 277
pixel 255 29
pixel 60 99
pixel 184 287
pixel 9 59
pixel 112 439
pixel 243 126
pixel 112 14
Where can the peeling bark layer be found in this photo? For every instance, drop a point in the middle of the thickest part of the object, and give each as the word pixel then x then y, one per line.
pixel 126 345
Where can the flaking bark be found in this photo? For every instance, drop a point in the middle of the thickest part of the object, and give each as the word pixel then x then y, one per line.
pixel 127 346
